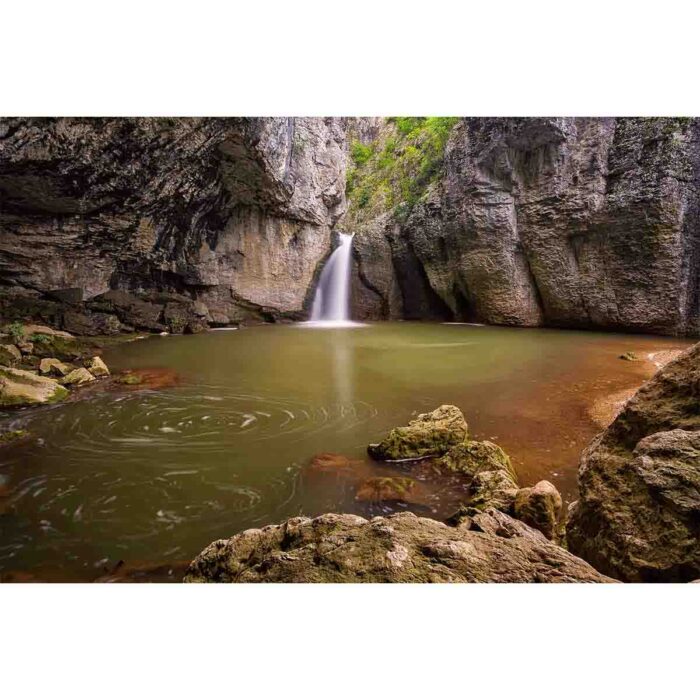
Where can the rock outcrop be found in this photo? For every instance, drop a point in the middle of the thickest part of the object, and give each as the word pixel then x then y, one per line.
pixel 489 547
pixel 205 221
pixel 110 225
pixel 539 506
pixel 428 435
pixel 19 387
pixel 441 438
pixel 570 222
pixel 638 514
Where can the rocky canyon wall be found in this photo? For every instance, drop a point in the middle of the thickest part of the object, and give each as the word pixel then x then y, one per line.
pixel 162 223
pixel 176 224
pixel 572 222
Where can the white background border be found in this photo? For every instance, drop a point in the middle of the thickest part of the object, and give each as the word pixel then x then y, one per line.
pixel 75 57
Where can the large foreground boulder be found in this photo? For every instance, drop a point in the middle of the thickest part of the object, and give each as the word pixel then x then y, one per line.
pixel 638 515
pixel 485 547
pixel 429 435
pixel 21 388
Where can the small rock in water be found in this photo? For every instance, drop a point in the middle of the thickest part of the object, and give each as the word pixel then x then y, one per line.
pixel 392 488
pixel 97 367
pixel 53 366
pixel 430 434
pixel 78 376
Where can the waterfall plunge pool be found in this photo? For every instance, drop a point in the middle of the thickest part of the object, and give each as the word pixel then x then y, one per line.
pixel 155 475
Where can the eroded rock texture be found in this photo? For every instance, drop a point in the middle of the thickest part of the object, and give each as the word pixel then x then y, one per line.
pixel 222 219
pixel 402 548
pixel 638 515
pixel 571 222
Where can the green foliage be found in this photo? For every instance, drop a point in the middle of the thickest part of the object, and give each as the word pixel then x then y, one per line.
pixel 12 436
pixel 16 331
pixel 406 125
pixel 394 173
pixel 40 338
pixel 361 153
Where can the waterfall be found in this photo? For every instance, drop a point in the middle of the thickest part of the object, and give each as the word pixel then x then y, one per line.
pixel 331 305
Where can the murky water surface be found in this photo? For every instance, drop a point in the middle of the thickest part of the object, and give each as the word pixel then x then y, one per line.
pixel 155 475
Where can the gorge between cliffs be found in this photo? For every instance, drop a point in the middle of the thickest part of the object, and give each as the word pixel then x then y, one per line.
pixel 361 349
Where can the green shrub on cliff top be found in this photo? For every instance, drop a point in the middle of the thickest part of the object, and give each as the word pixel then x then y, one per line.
pixel 395 172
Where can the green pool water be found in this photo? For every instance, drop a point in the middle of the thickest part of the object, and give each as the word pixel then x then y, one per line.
pixel 155 475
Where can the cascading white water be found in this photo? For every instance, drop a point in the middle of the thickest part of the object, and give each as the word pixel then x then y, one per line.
pixel 331 305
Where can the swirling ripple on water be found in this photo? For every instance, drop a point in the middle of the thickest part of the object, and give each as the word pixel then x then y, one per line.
pixel 143 466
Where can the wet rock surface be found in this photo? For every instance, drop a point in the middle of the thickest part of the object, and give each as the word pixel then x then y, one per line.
pixel 488 547
pixel 539 506
pixel 638 515
pixel 22 388
pixel 428 435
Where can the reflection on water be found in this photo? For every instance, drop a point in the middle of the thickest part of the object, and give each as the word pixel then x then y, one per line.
pixel 343 368
pixel 155 475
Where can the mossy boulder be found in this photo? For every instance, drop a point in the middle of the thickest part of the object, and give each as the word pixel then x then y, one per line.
pixel 78 376
pixel 97 367
pixel 471 457
pixel 10 355
pixel 401 548
pixel 53 366
pixel 539 506
pixel 56 346
pixel 429 435
pixel 493 489
pixel 21 388
pixel 638 513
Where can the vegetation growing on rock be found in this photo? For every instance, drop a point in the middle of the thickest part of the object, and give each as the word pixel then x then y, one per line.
pixel 21 388
pixel 393 173
pixel 486 547
pixel 638 513
pixel 471 457
pixel 428 435
pixel 11 436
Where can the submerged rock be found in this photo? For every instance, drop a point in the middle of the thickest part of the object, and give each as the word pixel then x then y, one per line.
pixel 329 462
pixel 148 378
pixel 391 488
pixel 12 436
pixel 539 506
pixel 430 434
pixel 97 367
pixel 638 515
pixel 78 376
pixel 489 547
pixel 442 435
pixel 21 388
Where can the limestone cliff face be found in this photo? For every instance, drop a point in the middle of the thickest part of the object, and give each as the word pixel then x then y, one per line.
pixel 576 222
pixel 571 222
pixel 231 214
